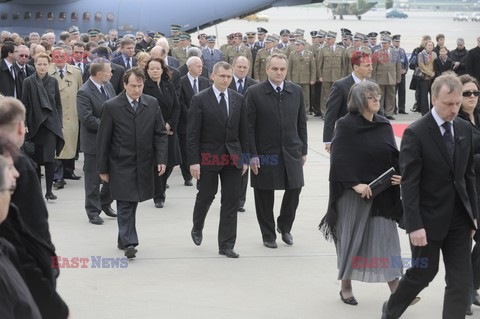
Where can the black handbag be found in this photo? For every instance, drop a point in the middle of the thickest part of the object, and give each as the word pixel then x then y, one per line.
pixel 28 148
pixel 418 74
pixel 382 182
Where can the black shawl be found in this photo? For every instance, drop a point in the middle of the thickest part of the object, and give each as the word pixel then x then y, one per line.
pixel 360 152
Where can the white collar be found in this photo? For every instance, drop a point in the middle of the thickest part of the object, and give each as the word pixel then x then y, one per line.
pixel 217 92
pixel 440 121
pixel 275 86
pixel 64 70
pixel 96 84
pixel 130 100
pixel 9 65
pixel 355 78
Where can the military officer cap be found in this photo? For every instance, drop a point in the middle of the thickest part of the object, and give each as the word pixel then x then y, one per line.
pixel 373 35
pixel 151 34
pixel 93 32
pixel 238 35
pixel 359 36
pixel 291 37
pixel 345 31
pixel 73 29
pixel 261 30
pixel 176 39
pixel 202 35
pixel 284 31
pixel 269 39
pixel 175 27
pixel 382 33
pixel 211 38
pixel 331 35
pixel 299 31
pixel 386 38
pixel 299 42
pixel 251 34
pixel 184 37
pixel 321 33
pixel 230 36
pixel 276 37
pixel 396 37
pixel 313 34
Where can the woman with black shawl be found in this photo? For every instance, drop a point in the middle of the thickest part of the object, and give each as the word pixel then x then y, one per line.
pixel 363 228
pixel 41 98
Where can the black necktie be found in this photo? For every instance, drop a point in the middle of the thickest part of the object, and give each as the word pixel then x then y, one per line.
pixel 80 66
pixel 211 52
pixel 12 70
pixel 223 104
pixel 449 139
pixel 134 104
pixel 61 74
pixel 240 86
pixel 195 90
pixel 22 72
pixel 128 64
pixel 103 92
pixel 279 90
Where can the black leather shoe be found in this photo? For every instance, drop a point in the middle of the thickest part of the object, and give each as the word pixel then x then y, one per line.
pixel 197 237
pixel 50 196
pixel 59 184
pixel 317 115
pixel 109 211
pixel 390 117
pixel 469 311
pixel 120 246
pixel 188 183
pixel 270 244
pixel 241 210
pixel 71 176
pixel 130 252
pixel 349 301
pixel 476 299
pixel 286 237
pixel 228 252
pixel 97 220
pixel 402 112
pixel 159 204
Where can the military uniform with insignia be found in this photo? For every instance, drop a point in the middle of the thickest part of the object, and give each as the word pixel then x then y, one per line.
pixel 401 87
pixel 180 53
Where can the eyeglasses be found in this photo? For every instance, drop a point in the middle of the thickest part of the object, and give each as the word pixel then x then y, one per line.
pixel 23 55
pixel 139 38
pixel 470 93
pixel 375 97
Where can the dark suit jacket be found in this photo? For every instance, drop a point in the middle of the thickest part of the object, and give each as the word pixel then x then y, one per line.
pixel 430 182
pixel 248 82
pixel 278 128
pixel 7 83
pixel 184 70
pixel 129 144
pixel 173 62
pixel 186 94
pixel 119 60
pixel 175 79
pixel 117 76
pixel 210 131
pixel 336 105
pixel 29 70
pixel 89 107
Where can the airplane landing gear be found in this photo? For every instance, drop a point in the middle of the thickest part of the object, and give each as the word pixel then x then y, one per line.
pixel 334 17
pixel 341 17
pixel 359 17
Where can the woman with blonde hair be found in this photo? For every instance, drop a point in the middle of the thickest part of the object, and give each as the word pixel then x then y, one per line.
pixel 142 59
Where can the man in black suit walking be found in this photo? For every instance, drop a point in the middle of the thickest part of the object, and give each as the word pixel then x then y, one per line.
pixel 190 84
pixel 278 136
pixel 131 140
pixel 126 59
pixel 22 68
pixel 217 136
pixel 118 71
pixel 8 76
pixel 90 98
pixel 338 97
pixel 439 200
pixel 240 83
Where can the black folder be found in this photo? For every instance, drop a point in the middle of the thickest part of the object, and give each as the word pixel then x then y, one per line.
pixel 382 182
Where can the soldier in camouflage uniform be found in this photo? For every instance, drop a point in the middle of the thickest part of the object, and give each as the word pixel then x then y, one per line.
pixel 330 64
pixel 302 70
pixel 175 33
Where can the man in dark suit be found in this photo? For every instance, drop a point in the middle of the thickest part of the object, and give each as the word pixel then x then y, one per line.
pixel 439 200
pixel 90 98
pixel 79 56
pixel 126 59
pixel 190 84
pixel 131 140
pixel 217 136
pixel 22 68
pixel 8 76
pixel 278 135
pixel 118 71
pixel 240 83
pixel 184 68
pixel 338 97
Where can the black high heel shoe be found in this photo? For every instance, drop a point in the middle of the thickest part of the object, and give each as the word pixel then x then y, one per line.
pixel 50 196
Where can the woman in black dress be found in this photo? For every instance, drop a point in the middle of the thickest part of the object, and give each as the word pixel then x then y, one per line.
pixel 470 111
pixel 158 85
pixel 443 62
pixel 41 98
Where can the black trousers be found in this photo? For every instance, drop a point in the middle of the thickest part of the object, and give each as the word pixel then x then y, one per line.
pixel 160 184
pixel 456 249
pixel 423 88
pixel 183 151
pixel 315 97
pixel 243 195
pixel 264 201
pixel 401 91
pixel 63 167
pixel 207 185
pixel 127 233
pixel 95 197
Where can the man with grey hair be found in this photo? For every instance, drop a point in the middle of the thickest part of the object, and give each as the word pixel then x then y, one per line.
pixel 439 201
pixel 34 37
pixel 22 68
pixel 459 57
pixel 38 49
pixel 276 108
pixel 191 53
pixel 473 61
pixel 4 35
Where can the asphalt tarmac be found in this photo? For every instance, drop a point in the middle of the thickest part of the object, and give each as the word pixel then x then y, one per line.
pixel 173 278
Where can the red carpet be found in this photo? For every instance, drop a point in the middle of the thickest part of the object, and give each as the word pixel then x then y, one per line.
pixel 398 129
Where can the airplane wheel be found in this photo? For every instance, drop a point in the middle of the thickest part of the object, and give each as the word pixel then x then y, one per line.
pixel 359 17
pixel 341 17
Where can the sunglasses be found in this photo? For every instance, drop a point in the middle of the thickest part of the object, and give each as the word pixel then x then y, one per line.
pixel 375 97
pixel 23 55
pixel 470 93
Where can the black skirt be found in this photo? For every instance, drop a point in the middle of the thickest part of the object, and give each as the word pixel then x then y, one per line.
pixel 45 145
